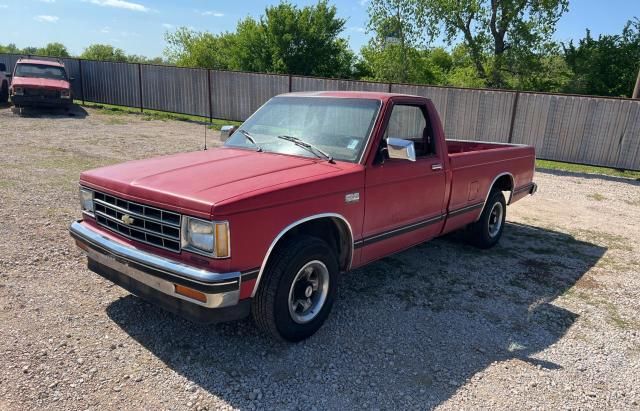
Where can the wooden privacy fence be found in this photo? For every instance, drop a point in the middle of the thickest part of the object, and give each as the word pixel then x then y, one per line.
pixel 580 129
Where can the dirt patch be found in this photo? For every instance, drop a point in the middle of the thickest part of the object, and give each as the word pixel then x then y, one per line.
pixel 546 319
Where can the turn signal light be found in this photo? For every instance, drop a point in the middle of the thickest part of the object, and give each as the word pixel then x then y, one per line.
pixel 190 293
pixel 222 239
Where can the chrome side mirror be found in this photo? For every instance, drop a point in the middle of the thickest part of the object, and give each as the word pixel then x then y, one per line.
pixel 226 131
pixel 401 149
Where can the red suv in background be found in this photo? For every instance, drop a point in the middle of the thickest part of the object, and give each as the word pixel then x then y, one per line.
pixel 40 83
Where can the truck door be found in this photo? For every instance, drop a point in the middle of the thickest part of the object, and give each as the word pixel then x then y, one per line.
pixel 404 201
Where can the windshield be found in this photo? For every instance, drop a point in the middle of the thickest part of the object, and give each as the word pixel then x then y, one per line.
pixel 40 71
pixel 337 126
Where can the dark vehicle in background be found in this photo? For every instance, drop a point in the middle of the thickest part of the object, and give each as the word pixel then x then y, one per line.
pixel 40 83
pixel 4 84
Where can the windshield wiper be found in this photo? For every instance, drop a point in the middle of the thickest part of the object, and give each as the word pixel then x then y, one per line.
pixel 308 146
pixel 249 137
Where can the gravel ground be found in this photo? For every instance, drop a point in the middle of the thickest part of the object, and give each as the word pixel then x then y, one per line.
pixel 548 319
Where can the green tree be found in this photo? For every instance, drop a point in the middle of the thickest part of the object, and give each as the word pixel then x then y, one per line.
pixel 306 41
pixel 287 39
pixel 394 63
pixel 607 66
pixel 503 37
pixel 463 72
pixel 136 58
pixel 186 47
pixel 29 50
pixel 393 51
pixel 103 52
pixel 9 48
pixel 53 50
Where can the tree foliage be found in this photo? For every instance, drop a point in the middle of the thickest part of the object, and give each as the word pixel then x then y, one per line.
pixel 503 37
pixel 53 50
pixel 489 43
pixel 286 39
pixel 188 48
pixel 50 50
pixel 606 66
pixel 104 52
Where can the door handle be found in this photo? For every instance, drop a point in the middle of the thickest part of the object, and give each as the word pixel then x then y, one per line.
pixel 436 166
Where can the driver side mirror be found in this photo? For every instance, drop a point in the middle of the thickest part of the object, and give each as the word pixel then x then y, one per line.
pixel 226 131
pixel 401 149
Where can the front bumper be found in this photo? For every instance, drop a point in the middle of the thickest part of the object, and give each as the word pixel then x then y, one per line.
pixel 154 278
pixel 40 101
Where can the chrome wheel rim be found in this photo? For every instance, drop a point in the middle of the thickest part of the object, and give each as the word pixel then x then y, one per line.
pixel 495 219
pixel 308 291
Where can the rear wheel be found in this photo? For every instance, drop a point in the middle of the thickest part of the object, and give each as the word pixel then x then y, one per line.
pixel 297 290
pixel 486 232
pixel 4 93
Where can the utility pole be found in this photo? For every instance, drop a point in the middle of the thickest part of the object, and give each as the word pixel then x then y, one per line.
pixel 636 90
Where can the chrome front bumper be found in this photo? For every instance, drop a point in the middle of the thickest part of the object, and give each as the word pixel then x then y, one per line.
pixel 156 272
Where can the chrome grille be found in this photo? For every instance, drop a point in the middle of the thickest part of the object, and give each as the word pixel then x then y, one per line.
pixel 41 92
pixel 138 222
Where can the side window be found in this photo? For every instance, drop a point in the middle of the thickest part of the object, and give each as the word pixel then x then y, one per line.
pixel 409 123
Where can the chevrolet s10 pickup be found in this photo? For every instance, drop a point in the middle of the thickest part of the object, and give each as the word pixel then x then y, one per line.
pixel 310 186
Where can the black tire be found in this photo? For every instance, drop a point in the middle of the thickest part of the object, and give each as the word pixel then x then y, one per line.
pixel 4 93
pixel 484 233
pixel 270 305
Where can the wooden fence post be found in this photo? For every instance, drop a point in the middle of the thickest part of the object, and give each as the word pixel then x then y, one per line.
pixel 290 83
pixel 513 116
pixel 140 87
pixel 636 90
pixel 81 80
pixel 209 94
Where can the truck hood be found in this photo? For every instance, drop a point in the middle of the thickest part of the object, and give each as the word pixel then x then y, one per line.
pixel 40 83
pixel 195 182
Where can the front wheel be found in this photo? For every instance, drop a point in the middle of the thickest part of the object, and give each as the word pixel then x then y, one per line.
pixel 486 232
pixel 297 290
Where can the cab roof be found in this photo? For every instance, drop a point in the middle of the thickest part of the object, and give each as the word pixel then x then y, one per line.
pixel 372 95
pixel 40 61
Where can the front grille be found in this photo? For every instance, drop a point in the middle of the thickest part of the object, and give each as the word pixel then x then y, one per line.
pixel 41 92
pixel 146 224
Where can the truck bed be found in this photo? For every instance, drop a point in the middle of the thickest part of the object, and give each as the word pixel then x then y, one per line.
pixel 462 146
pixel 475 166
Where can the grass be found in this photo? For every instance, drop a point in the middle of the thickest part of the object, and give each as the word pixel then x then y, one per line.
pixel 110 109
pixel 579 168
pixel 606 239
pixel 597 197
pixel 612 313
pixel 633 202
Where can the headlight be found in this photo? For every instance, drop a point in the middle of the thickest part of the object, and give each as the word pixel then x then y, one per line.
pixel 205 237
pixel 86 200
pixel 65 94
pixel 18 91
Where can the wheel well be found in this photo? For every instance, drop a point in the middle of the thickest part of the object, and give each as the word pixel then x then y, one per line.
pixel 503 183
pixel 333 230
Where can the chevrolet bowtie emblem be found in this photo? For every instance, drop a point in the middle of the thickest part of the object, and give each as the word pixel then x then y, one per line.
pixel 127 219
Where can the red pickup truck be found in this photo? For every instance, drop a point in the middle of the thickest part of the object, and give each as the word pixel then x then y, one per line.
pixel 40 83
pixel 310 186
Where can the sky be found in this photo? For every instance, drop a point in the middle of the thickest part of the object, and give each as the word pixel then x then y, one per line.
pixel 138 26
